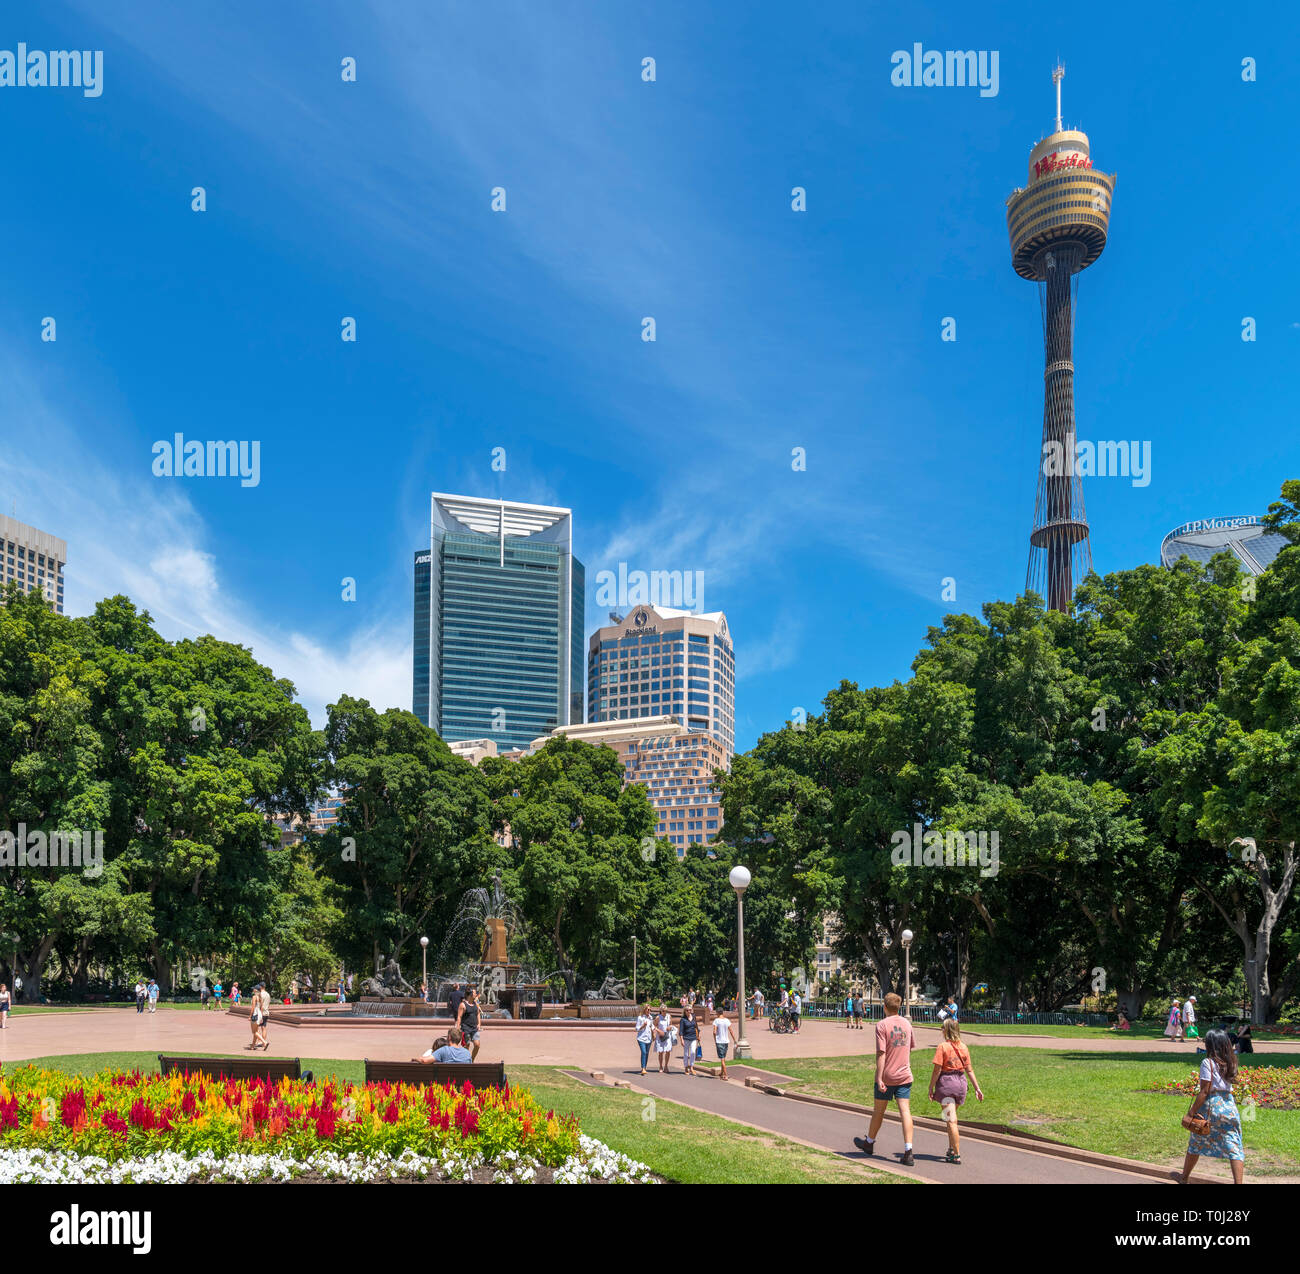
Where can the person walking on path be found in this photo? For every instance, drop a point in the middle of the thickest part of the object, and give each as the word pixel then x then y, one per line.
pixel 894 1041
pixel 6 1006
pixel 235 993
pixel 1174 1023
pixel 469 1020
pixel 848 1013
pixel 264 1001
pixel 644 1033
pixel 663 1038
pixel 454 998
pixel 1189 1019
pixel 688 1031
pixel 153 995
pixel 139 996
pixel 722 1039
pixel 796 1007
pixel 254 1016
pixel 952 1068
pixel 1220 1136
pixel 216 994
pixel 758 1003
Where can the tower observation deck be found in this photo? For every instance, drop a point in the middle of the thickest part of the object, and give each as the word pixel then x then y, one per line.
pixel 1057 224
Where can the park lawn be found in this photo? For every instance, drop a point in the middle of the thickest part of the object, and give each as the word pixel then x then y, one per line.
pixel 678 1143
pixel 1140 1031
pixel 1090 1100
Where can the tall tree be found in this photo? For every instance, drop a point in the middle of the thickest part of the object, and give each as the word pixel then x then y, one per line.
pixel 412 834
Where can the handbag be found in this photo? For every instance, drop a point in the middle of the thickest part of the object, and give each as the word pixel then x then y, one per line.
pixel 1197 1125
pixel 699 1050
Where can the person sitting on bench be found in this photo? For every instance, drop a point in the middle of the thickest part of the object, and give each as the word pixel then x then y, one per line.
pixel 449 1050
pixel 427 1056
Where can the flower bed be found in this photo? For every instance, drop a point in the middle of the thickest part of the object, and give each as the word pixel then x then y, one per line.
pixel 136 1127
pixel 1270 1087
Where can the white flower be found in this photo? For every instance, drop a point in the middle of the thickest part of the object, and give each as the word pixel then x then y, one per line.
pixel 594 1162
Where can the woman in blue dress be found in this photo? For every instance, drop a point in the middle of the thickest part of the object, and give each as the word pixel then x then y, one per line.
pixel 1214 1102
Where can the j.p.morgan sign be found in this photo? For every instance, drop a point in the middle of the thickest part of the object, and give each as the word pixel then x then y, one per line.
pixel 1213 524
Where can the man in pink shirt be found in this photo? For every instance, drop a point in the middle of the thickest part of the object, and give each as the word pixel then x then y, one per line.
pixel 894 1044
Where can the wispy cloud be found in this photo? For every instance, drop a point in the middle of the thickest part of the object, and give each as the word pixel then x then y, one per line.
pixel 144 538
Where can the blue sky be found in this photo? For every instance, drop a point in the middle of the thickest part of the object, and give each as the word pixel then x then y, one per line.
pixel 522 329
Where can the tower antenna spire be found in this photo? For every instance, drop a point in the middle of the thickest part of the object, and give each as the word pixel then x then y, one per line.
pixel 1058 74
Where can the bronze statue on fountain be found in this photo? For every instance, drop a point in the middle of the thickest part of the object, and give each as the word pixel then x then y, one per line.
pixel 387 982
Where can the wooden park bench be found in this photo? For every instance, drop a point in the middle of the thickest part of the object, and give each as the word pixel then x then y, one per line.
pixel 479 1074
pixel 272 1068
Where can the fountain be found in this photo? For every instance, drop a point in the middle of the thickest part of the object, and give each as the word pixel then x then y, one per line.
pixel 485 946
pixel 489 921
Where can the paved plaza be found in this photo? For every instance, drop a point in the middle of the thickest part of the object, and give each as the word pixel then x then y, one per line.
pixel 196 1031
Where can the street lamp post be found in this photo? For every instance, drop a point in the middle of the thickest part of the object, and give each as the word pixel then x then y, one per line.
pixel 424 967
pixel 907 936
pixel 740 879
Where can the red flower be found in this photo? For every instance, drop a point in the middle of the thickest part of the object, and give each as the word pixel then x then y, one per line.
pixel 188 1105
pixel 73 1108
pixel 112 1121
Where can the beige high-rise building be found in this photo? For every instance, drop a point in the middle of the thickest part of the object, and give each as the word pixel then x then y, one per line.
pixel 473 750
pixel 661 662
pixel 32 559
pixel 674 765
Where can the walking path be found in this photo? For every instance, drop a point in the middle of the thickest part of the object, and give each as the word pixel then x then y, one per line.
pixel 990 1159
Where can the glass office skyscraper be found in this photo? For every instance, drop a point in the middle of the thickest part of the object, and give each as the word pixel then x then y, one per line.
pixel 420 678
pixel 498 622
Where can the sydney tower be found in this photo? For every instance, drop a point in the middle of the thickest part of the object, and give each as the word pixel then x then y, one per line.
pixel 1058 224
